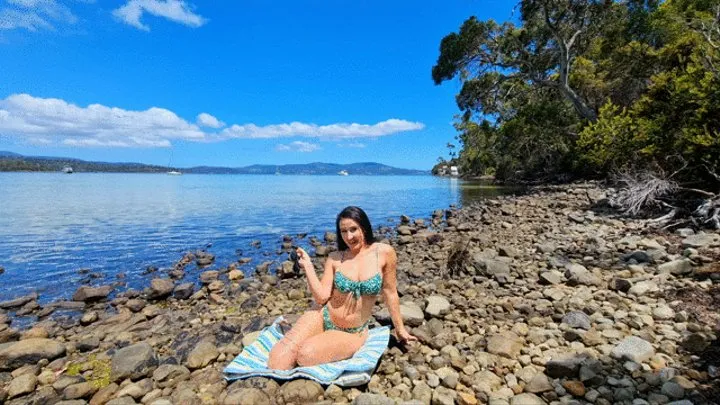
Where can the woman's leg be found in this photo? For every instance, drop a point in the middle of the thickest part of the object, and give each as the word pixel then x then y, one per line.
pixel 331 345
pixel 283 355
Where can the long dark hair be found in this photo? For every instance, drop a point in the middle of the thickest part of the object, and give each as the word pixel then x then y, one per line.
pixel 359 216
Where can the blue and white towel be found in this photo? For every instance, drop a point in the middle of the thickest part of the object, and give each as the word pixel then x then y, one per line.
pixel 252 362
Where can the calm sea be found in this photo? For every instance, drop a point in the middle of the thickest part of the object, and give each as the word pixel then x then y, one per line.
pixel 53 225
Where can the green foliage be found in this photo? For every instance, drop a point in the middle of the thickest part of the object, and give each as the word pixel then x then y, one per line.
pixel 589 87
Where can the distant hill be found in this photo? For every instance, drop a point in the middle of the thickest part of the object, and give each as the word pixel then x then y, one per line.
pixel 13 162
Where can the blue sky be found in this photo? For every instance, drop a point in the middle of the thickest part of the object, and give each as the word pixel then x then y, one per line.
pixel 229 83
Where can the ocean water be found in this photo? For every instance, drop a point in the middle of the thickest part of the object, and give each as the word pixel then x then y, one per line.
pixel 57 229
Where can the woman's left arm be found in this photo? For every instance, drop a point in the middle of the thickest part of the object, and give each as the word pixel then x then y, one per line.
pixel 390 295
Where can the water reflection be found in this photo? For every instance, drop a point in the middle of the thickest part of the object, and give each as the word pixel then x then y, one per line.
pixel 471 191
pixel 52 225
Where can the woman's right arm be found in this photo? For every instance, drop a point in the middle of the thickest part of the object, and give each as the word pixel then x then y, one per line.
pixel 319 288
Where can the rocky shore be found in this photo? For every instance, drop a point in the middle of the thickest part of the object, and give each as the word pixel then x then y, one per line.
pixel 545 298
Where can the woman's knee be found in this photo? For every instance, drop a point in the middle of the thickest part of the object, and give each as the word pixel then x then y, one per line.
pixel 307 355
pixel 281 358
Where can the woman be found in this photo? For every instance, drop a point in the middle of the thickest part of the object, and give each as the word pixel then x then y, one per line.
pixel 354 276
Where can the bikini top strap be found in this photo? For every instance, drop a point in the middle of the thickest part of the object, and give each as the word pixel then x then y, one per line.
pixel 377 257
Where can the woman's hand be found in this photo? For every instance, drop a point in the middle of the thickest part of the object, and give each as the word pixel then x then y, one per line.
pixel 303 258
pixel 404 336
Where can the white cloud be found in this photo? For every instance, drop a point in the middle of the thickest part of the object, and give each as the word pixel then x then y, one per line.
pixel 94 125
pixel 357 145
pixel 34 15
pixel 207 120
pixel 173 10
pixel 37 120
pixel 298 146
pixel 342 130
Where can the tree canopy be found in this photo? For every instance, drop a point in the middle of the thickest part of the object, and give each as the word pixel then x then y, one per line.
pixel 585 87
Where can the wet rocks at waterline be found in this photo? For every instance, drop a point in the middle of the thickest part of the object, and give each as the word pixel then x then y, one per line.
pixel 551 300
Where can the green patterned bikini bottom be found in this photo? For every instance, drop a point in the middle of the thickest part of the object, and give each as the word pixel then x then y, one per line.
pixel 329 325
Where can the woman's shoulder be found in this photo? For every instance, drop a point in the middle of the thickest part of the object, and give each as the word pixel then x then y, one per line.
pixel 384 248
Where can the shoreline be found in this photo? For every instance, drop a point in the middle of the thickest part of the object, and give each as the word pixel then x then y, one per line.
pixel 535 278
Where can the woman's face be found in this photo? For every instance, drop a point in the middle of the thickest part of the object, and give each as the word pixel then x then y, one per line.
pixel 351 233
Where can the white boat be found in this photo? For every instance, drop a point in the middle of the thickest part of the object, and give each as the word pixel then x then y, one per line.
pixel 343 173
pixel 67 169
pixel 454 171
pixel 174 173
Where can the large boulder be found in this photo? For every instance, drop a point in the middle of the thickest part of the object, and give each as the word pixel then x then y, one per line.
pixel 201 355
pixel 160 288
pixel 578 274
pixel 634 349
pixel 19 301
pixel 133 362
pixel 506 344
pixel 301 391
pixel 437 305
pixel 700 240
pixel 184 291
pixel 29 351
pixel 676 267
pixel 577 320
pixel 88 294
pixel 411 313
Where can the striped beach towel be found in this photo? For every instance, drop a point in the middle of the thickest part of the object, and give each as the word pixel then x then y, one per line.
pixel 252 362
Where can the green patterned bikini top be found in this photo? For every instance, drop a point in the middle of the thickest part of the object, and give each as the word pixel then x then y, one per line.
pixel 371 286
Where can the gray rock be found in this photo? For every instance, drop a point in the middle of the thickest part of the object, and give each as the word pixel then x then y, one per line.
pixel 673 390
pixel 684 232
pixel 406 240
pixel 552 277
pixel 411 313
pixel 540 383
pixel 663 312
pixel 79 390
pixel 506 344
pixel 201 355
pixel 184 291
pixel 700 240
pixel 437 305
pixel 18 302
pixel 404 230
pixel 168 375
pixel 160 288
pixel 527 399
pixel 21 385
pixel 372 399
pixel 29 351
pixel 577 320
pixel 578 274
pixel 301 391
pixel 643 287
pixel 136 389
pixel 546 247
pixel 634 349
pixel 619 284
pixel 676 267
pixel 133 362
pixel 695 343
pixel 122 401
pixel 246 396
pixel 208 277
pixel 564 366
pixel 89 294
pixel 490 267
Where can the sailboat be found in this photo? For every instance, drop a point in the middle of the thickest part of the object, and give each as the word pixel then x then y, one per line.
pixel 173 172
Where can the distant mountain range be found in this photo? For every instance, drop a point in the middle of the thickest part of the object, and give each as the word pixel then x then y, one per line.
pixel 14 162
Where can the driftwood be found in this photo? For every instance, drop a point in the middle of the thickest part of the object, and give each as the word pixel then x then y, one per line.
pixel 647 194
